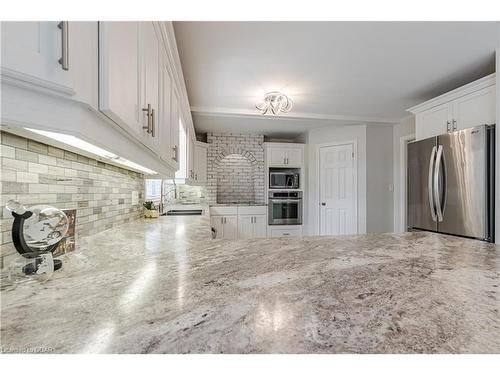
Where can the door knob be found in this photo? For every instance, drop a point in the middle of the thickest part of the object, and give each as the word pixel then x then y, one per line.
pixel 323 203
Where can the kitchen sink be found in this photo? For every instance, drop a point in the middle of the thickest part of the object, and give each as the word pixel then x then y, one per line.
pixel 183 212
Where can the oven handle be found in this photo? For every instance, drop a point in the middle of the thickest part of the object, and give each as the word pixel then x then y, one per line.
pixel 285 200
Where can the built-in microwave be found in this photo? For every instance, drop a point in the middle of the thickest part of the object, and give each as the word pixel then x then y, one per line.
pixel 283 179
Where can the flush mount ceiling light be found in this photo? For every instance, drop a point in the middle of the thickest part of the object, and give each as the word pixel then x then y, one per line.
pixel 274 103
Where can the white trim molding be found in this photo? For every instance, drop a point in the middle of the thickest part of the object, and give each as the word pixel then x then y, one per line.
pixel 238 113
pixel 479 84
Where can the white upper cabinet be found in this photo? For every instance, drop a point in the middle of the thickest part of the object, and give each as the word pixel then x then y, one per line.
pixel 33 51
pixel 191 151
pixel 175 129
pixel 200 162
pixel 126 75
pixel 434 121
pixel 294 157
pixel 149 80
pixel 285 155
pixel 468 106
pixel 59 57
pixel 119 68
pixel 475 109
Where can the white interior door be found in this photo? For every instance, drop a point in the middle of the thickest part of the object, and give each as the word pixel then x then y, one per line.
pixel 338 190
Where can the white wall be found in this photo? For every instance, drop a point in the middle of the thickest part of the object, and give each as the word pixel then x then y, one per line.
pixel 379 178
pixel 403 130
pixel 333 134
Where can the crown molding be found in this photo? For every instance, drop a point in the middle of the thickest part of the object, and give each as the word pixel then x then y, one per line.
pixel 473 86
pixel 241 113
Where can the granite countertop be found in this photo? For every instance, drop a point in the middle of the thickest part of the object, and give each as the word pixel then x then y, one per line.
pixel 163 286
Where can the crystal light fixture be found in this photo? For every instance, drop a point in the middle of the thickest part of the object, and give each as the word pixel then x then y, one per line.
pixel 274 103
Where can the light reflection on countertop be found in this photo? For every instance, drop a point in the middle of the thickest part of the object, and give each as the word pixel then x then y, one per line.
pixel 163 286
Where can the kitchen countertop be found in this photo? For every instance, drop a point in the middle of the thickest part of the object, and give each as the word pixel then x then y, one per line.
pixel 163 286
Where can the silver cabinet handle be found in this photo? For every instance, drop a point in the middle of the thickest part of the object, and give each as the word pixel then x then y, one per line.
pixel 153 131
pixel 148 114
pixel 454 125
pixel 64 60
pixel 437 196
pixel 222 220
pixel 448 123
pixel 225 222
pixel 429 184
pixel 196 176
pixel 286 234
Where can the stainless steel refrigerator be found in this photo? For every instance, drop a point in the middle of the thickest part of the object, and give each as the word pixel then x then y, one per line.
pixel 451 183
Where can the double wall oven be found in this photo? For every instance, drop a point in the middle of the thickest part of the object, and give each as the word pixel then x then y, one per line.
pixel 285 208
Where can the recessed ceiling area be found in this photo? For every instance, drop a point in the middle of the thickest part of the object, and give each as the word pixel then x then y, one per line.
pixel 335 72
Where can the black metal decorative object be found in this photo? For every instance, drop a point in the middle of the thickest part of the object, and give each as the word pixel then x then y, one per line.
pixel 48 225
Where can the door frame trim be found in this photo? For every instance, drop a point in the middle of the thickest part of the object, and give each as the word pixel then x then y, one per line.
pixel 354 143
pixel 400 226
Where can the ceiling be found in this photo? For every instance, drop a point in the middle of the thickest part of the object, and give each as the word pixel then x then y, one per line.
pixel 335 72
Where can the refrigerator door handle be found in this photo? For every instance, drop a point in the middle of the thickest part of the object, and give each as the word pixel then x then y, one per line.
pixel 430 186
pixel 437 171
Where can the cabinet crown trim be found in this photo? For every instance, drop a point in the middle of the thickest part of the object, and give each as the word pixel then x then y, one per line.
pixel 479 84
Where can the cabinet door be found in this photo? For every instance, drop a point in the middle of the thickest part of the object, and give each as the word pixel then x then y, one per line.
pixel 149 82
pixel 216 222
pixel 230 227
pixel 200 163
pixel 276 156
pixel 164 115
pixel 260 226
pixel 119 75
pixel 294 157
pixel 31 53
pixel 245 226
pixel 174 129
pixel 433 121
pixel 475 109
pixel 191 173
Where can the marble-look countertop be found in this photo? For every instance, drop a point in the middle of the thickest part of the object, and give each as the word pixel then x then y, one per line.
pixel 163 286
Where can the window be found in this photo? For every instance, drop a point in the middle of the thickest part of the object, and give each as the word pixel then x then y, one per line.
pixel 153 190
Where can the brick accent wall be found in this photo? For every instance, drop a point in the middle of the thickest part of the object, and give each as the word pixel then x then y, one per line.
pixel 36 173
pixel 235 168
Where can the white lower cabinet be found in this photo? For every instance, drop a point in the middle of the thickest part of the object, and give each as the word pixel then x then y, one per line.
pixel 226 227
pixel 238 222
pixel 251 226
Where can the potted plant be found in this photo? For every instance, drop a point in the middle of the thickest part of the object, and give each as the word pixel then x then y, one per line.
pixel 150 210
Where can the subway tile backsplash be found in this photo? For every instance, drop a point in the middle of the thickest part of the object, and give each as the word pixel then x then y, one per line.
pixel 36 173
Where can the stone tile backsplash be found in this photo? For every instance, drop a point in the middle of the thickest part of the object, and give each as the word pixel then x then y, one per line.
pixel 235 168
pixel 36 173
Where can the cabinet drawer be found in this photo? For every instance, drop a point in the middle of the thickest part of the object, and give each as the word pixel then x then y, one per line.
pixel 223 210
pixel 286 233
pixel 252 210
